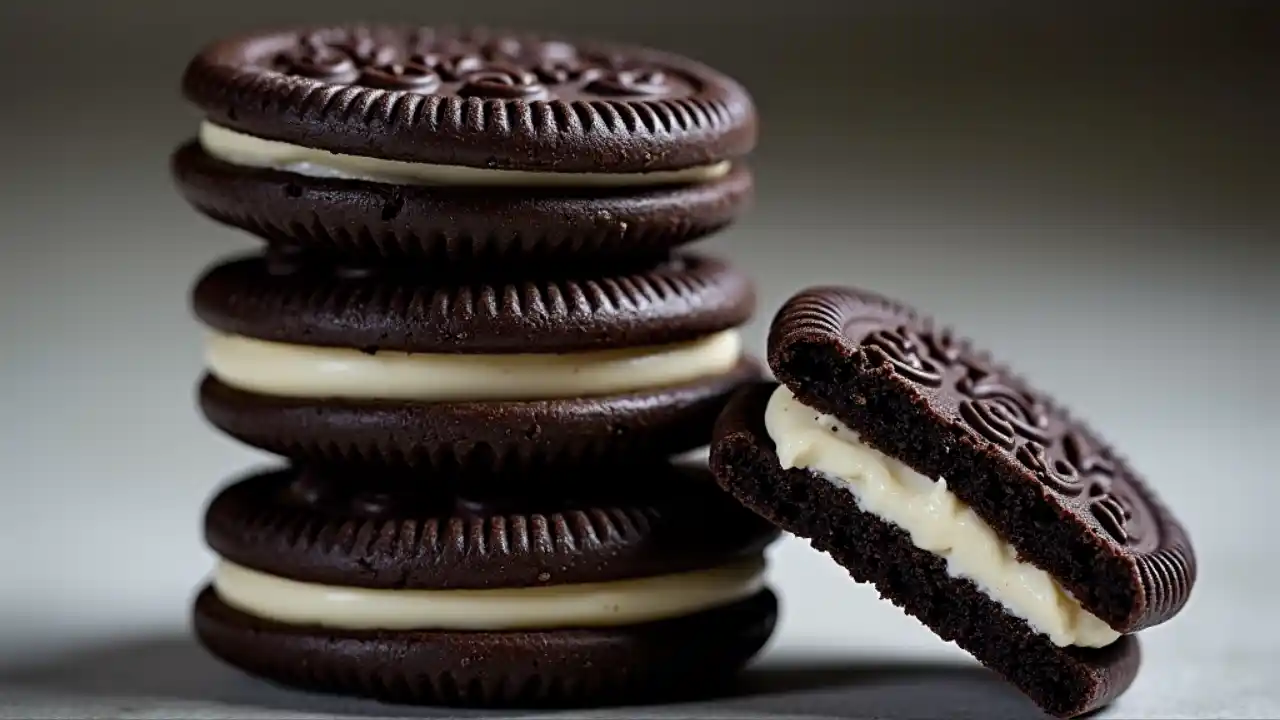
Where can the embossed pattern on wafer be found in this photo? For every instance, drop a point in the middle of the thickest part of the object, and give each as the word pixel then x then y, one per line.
pixel 1065 681
pixel 1061 495
pixel 480 97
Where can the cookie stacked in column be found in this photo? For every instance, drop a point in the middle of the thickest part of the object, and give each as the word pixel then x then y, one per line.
pixel 476 336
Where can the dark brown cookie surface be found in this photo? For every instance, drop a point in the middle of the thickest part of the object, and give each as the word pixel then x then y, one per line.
pixel 1065 681
pixel 474 97
pixel 1044 481
pixel 458 225
pixel 371 309
pixel 570 667
pixel 481 440
pixel 374 529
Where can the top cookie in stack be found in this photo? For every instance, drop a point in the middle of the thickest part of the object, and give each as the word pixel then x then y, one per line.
pixel 464 147
pixel 472 261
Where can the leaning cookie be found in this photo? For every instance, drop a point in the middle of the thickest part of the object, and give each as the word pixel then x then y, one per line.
pixel 389 589
pixel 967 497
pixel 336 363
pixel 464 145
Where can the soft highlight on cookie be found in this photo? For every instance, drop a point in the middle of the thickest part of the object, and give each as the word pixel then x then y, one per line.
pixel 637 664
pixel 375 308
pixel 917 392
pixel 381 530
pixel 487 441
pixel 1063 680
pixel 474 97
pixel 459 226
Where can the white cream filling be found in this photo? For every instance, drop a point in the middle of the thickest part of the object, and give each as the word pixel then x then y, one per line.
pixel 933 516
pixel 240 149
pixel 604 604
pixel 305 371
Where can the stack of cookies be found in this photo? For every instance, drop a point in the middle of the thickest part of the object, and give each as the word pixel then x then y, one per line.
pixel 474 336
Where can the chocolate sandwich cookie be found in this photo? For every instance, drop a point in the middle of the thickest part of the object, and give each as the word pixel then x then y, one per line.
pixel 345 364
pixel 969 498
pixel 464 144
pixel 404 592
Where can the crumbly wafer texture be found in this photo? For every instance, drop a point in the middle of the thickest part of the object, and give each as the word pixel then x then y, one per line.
pixel 374 529
pixel 458 225
pixel 375 307
pixel 1065 681
pixel 493 440
pixel 567 667
pixel 474 97
pixel 1050 486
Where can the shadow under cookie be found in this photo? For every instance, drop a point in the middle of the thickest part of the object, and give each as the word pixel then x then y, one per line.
pixel 166 670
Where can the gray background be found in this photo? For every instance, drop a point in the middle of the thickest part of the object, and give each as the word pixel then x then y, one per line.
pixel 1091 192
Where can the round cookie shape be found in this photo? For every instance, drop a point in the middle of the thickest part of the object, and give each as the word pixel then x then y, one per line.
pixel 372 529
pixel 583 667
pixel 458 226
pixel 915 391
pixel 374 308
pixel 485 442
pixel 474 97
pixel 1065 681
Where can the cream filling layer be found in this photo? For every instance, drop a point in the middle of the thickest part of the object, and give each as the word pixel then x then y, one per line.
pixel 605 604
pixel 933 516
pixel 240 149
pixel 305 371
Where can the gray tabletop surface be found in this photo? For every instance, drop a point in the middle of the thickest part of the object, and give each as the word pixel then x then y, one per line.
pixel 1093 197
